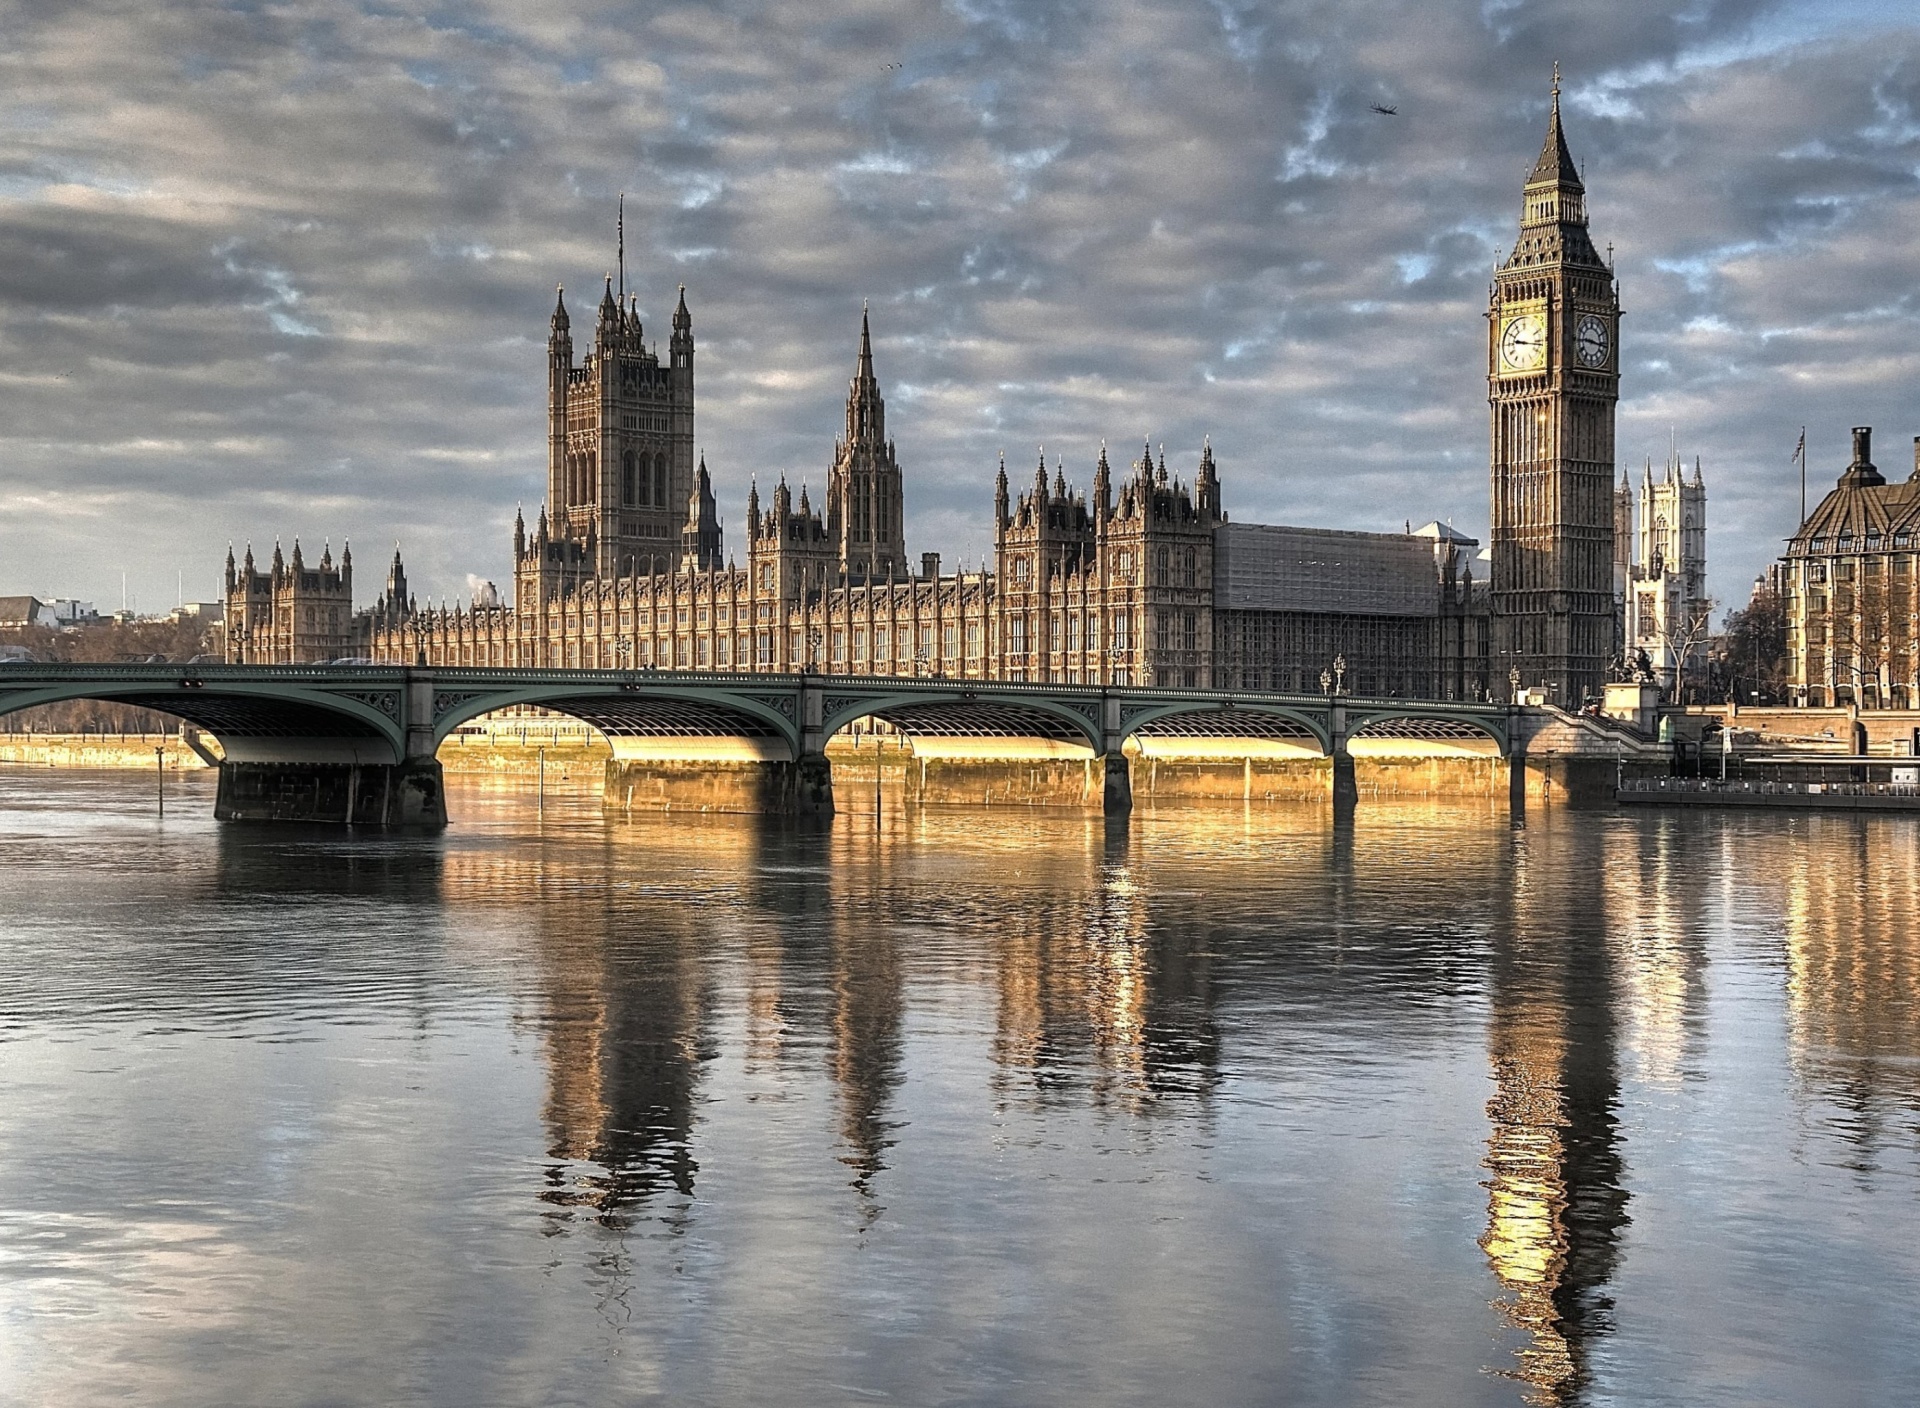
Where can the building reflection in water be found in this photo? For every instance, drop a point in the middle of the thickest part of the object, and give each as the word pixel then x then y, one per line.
pixel 622 1009
pixel 1852 924
pixel 1101 990
pixel 866 980
pixel 1555 1208
pixel 1655 877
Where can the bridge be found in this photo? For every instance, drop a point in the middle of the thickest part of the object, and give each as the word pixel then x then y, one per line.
pixel 356 744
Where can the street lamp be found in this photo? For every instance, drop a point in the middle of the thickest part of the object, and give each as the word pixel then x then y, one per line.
pixel 1513 685
pixel 1326 683
pixel 814 638
pixel 1339 674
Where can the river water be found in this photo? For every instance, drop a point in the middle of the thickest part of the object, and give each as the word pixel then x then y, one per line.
pixel 968 1107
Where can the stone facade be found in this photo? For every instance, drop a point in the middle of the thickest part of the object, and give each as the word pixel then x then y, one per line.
pixel 291 614
pixel 1553 377
pixel 1853 615
pixel 1660 571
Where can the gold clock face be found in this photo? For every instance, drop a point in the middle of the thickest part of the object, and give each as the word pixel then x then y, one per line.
pixel 1590 340
pixel 1523 343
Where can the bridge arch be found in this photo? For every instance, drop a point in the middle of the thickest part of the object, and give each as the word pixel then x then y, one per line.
pixel 1443 732
pixel 1227 719
pixel 277 720
pixel 637 710
pixel 960 712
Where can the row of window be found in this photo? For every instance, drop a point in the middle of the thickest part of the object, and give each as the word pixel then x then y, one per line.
pixel 1872 542
pixel 643 480
pixel 1844 571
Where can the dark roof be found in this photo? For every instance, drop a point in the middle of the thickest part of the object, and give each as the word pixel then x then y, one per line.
pixel 1556 162
pixel 1856 511
pixel 18 610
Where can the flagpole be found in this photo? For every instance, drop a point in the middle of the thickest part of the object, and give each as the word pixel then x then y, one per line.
pixel 1801 453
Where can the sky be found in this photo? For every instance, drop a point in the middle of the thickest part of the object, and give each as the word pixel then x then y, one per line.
pixel 284 270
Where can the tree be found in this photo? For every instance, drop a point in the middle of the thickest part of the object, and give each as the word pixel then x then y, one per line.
pixel 1685 634
pixel 103 643
pixel 1753 650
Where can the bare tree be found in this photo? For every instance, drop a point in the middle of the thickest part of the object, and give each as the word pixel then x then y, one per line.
pixel 1686 634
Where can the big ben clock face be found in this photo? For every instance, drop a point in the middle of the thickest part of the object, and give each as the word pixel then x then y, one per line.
pixel 1590 340
pixel 1523 343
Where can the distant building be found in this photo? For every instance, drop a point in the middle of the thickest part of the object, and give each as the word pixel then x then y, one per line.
pixel 1660 571
pixel 1847 580
pixel 1402 609
pixel 20 611
pixel 291 614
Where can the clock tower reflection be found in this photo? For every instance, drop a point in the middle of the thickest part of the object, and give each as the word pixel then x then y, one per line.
pixel 1555 1205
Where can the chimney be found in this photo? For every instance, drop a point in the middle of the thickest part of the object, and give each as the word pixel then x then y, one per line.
pixel 1861 474
pixel 1916 459
pixel 930 562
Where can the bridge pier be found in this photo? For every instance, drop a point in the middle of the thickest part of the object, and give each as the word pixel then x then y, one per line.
pixel 761 776
pixel 340 781
pixel 409 794
pixel 702 780
pixel 1346 787
pixel 1116 790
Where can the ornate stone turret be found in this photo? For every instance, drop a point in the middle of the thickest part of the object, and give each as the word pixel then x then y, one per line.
pixel 865 506
pixel 700 537
pixel 620 454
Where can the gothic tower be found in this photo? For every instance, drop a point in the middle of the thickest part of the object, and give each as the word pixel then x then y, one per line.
pixel 620 461
pixel 1553 378
pixel 865 515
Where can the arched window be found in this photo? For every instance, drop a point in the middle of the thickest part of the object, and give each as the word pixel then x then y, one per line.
pixel 660 481
pixel 629 489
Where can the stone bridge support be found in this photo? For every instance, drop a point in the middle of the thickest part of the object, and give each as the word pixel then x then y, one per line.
pixel 1346 787
pixel 1117 776
pixel 352 781
pixel 755 774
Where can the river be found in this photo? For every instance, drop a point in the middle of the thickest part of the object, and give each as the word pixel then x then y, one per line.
pixel 956 1107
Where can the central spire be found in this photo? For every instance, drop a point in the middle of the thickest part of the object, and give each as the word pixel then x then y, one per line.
pixel 1553 208
pixel 863 368
pixel 1555 166
pixel 866 412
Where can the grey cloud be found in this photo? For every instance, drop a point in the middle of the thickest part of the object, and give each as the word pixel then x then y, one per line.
pixel 287 271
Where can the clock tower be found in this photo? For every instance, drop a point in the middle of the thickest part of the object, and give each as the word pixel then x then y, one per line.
pixel 1553 379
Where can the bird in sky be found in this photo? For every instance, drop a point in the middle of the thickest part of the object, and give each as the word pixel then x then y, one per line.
pixel 888 68
pixel 1384 110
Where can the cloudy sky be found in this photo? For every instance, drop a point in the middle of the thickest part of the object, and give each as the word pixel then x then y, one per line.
pixel 279 269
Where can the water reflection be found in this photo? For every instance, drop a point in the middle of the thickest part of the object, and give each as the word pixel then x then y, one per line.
pixel 1097 990
pixel 1852 906
pixel 1556 1208
pixel 621 998
pixel 867 980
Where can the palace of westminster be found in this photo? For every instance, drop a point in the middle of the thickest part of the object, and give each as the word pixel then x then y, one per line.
pixel 1142 580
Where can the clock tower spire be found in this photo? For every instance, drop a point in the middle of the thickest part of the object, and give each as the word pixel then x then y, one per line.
pixel 1553 380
